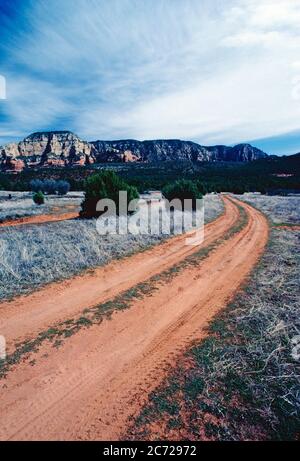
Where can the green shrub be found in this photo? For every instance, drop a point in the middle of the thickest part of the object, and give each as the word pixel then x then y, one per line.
pixel 62 187
pixel 50 186
pixel 104 185
pixel 39 198
pixel 182 189
pixel 202 189
pixel 36 185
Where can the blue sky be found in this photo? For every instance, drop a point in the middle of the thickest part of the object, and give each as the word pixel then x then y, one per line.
pixel 211 71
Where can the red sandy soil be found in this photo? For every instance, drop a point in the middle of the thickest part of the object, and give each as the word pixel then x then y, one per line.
pixel 291 227
pixel 99 378
pixel 25 316
pixel 39 219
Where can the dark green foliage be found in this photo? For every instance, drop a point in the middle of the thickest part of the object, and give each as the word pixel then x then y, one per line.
pixel 36 185
pixel 50 186
pixel 5 183
pixel 202 189
pixel 62 187
pixel 39 198
pixel 182 189
pixel 257 176
pixel 194 387
pixel 164 404
pixel 104 185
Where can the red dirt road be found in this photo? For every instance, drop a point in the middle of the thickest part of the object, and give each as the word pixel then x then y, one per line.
pixel 88 388
pixel 39 219
pixel 289 227
pixel 24 317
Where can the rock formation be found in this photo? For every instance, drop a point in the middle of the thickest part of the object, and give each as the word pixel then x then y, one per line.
pixel 173 150
pixel 55 148
pixel 64 148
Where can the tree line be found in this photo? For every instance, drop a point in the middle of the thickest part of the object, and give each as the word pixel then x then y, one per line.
pixel 50 186
pixel 280 175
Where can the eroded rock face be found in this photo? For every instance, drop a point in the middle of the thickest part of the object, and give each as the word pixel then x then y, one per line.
pixel 56 148
pixel 13 165
pixel 64 148
pixel 172 150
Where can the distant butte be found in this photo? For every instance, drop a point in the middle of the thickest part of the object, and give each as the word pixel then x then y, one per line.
pixel 64 148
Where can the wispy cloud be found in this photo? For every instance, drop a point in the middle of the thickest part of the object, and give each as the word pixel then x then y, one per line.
pixel 215 72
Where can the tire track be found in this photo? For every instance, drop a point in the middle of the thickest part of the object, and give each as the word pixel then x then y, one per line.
pixel 24 317
pixel 101 377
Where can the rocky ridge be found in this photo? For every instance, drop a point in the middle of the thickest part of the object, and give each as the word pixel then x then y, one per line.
pixel 64 148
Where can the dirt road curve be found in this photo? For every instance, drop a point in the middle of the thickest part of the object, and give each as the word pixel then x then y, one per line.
pixel 39 219
pixel 26 316
pixel 89 387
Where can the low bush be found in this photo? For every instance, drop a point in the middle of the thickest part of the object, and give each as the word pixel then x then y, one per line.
pixel 182 189
pixel 36 185
pixel 39 198
pixel 62 187
pixel 50 186
pixel 104 185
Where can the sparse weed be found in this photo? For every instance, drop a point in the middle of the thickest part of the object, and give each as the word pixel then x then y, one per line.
pixel 96 314
pixel 32 256
pixel 243 374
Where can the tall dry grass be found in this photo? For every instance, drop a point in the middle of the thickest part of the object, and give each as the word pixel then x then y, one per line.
pixel 31 256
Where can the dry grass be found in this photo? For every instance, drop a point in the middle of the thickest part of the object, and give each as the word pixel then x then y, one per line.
pixel 59 332
pixel 21 204
pixel 279 209
pixel 242 382
pixel 31 256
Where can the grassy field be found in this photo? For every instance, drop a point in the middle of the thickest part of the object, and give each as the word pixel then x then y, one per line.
pixel 31 256
pixel 279 209
pixel 241 382
pixel 21 204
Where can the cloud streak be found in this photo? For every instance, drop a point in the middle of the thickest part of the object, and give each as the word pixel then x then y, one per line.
pixel 211 71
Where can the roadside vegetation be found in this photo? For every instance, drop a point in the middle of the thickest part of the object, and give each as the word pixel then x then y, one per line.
pixel 281 210
pixel 31 256
pixel 242 382
pixel 105 185
pixel 182 189
pixel 59 332
pixel 15 205
pixel 38 198
pixel 50 186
